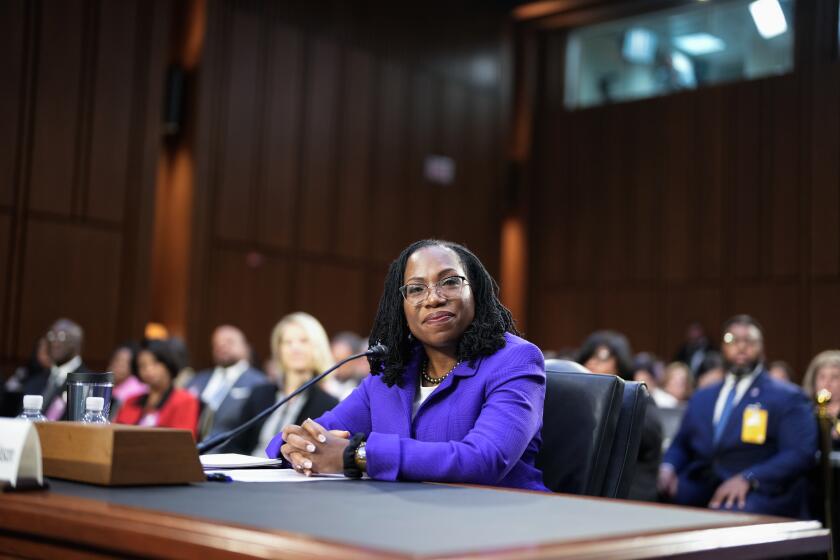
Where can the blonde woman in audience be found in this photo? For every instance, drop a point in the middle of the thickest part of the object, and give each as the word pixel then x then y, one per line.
pixel 824 373
pixel 300 350
pixel 678 381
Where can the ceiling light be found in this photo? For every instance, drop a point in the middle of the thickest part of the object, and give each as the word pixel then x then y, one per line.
pixel 768 17
pixel 699 43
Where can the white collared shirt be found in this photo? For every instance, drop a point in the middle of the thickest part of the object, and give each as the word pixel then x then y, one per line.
pixel 59 373
pixel 221 382
pixel 741 388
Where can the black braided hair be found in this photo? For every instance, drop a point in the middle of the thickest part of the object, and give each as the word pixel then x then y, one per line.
pixel 483 337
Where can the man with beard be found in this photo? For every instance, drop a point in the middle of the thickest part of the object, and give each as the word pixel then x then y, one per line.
pixel 747 443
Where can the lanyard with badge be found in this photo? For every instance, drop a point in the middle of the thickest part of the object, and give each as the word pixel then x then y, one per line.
pixel 754 424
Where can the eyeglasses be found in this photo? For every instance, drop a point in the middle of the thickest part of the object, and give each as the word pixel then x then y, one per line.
pixel 57 336
pixel 448 288
pixel 731 340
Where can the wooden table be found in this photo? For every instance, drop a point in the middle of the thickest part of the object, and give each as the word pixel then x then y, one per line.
pixel 365 519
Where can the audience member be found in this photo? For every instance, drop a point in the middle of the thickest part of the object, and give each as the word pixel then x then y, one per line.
pixel 608 352
pixel 678 381
pixel 224 389
pixel 745 444
pixel 694 349
pixel 648 370
pixel 781 371
pixel 824 373
pixel 711 370
pixel 38 367
pixel 64 346
pixel 123 365
pixel 164 405
pixel 301 350
pixel 342 381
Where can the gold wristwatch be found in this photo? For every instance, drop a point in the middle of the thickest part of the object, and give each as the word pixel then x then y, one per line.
pixel 360 457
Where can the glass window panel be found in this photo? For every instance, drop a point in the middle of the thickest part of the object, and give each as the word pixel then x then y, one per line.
pixel 682 48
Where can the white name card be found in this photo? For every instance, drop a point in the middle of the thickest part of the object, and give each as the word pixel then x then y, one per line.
pixel 20 453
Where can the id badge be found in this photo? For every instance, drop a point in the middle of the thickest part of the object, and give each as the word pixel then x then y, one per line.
pixel 754 425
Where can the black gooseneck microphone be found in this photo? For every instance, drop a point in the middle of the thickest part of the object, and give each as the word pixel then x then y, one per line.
pixel 224 437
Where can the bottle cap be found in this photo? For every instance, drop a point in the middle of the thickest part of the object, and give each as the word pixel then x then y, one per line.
pixel 95 404
pixel 33 401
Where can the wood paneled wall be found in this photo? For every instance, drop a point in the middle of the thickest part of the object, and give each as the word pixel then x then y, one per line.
pixel 311 130
pixel 79 112
pixel 695 206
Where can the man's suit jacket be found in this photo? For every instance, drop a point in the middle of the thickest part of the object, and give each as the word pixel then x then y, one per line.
pixel 37 385
pixel 317 403
pixel 778 464
pixel 481 425
pixel 229 414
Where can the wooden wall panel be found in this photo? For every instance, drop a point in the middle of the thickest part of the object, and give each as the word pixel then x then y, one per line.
pixel 5 236
pixel 707 208
pixel 111 122
pixel 251 296
pixel 332 115
pixel 783 184
pixel 389 200
pixel 352 199
pixel 235 194
pixel 335 295
pixel 422 142
pixel 79 146
pixel 824 165
pixel 71 271
pixel 483 179
pixel 452 198
pixel 678 165
pixel 12 29
pixel 745 151
pixel 278 188
pixel 58 107
pixel 824 310
pixel 693 206
pixel 317 217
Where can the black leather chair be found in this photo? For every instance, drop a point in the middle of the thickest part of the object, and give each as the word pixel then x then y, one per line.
pixel 628 438
pixel 579 424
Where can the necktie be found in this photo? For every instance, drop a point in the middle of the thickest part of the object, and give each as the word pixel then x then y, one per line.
pixel 724 416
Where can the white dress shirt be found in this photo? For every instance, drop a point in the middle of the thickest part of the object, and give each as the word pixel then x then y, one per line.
pixel 220 383
pixel 742 386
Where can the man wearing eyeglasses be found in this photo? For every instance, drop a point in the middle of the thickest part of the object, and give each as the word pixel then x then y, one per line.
pixel 64 347
pixel 747 443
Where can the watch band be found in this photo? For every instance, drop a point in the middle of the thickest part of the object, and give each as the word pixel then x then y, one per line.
pixel 351 469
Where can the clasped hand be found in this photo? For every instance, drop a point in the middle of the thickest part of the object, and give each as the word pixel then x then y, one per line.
pixel 311 448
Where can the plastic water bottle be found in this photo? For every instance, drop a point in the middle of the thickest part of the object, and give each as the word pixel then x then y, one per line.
pixel 93 411
pixel 32 408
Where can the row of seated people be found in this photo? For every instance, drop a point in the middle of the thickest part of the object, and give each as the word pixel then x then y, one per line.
pixel 731 443
pixel 746 440
pixel 153 386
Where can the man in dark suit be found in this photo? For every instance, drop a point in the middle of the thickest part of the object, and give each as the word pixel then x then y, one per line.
pixel 224 389
pixel 745 444
pixel 64 347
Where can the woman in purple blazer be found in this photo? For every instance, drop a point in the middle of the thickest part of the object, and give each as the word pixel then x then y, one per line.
pixel 457 398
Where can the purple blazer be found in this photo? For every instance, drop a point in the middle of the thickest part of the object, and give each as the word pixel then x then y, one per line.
pixel 481 425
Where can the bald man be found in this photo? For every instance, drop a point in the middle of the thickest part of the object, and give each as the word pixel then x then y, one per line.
pixel 64 348
pixel 224 389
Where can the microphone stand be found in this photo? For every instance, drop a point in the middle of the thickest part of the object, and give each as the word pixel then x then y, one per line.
pixel 224 437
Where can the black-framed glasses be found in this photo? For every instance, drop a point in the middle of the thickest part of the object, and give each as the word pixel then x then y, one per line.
pixel 448 288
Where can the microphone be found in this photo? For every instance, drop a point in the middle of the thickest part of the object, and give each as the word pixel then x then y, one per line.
pixel 378 350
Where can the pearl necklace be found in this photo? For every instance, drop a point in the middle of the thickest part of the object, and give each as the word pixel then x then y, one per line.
pixel 435 380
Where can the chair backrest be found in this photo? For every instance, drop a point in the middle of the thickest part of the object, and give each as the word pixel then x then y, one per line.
pixel 579 422
pixel 628 438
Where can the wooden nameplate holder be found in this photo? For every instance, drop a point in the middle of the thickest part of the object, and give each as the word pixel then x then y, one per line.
pixel 118 455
